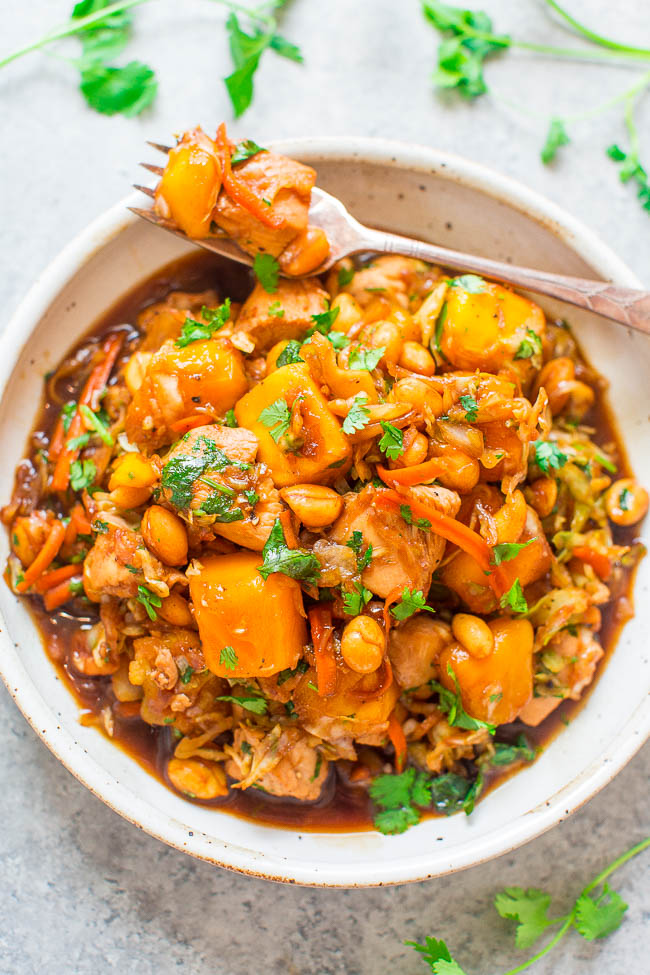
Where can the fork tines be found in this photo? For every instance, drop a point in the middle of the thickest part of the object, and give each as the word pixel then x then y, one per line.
pixel 159 147
pixel 145 189
pixel 158 170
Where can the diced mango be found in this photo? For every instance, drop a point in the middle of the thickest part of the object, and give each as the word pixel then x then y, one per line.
pixel 494 688
pixel 314 448
pixel 190 185
pixel 133 470
pixel 484 330
pixel 260 622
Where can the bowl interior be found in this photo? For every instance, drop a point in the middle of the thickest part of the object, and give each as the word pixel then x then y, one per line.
pixel 435 197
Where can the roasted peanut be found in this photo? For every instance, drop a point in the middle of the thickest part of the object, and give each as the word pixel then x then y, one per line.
pixel 197 778
pixel 418 394
pixel 626 502
pixel 305 253
pixel 417 359
pixel 130 497
pixel 362 645
pixel 387 336
pixel 557 378
pixel 314 504
pixel 349 312
pixel 474 634
pixel 543 495
pixel 123 689
pixel 175 609
pixel 416 447
pixel 164 535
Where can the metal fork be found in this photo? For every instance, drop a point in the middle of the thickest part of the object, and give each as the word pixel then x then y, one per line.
pixel 628 306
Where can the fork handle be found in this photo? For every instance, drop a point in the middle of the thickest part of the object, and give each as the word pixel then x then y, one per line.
pixel 629 306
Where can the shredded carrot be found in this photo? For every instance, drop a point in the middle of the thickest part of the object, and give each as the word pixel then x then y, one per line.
pixel 238 191
pixel 45 557
pixel 60 594
pixel 190 422
pixel 599 562
pixel 393 597
pixel 89 397
pixel 320 620
pixel 79 524
pixel 398 739
pixel 451 529
pixel 287 528
pixel 51 579
pixel 417 474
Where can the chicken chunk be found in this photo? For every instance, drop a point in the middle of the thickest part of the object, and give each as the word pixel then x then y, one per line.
pixel 211 479
pixel 284 762
pixel 293 304
pixel 119 562
pixel 206 376
pixel 286 184
pixel 402 555
pixel 391 277
pixel 414 647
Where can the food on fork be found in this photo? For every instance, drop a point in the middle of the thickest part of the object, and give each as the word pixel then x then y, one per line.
pixel 304 544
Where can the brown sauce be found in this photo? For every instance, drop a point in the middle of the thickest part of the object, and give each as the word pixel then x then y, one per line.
pixel 342 805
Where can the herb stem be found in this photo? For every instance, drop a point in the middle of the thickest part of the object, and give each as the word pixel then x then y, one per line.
pixel 72 26
pixel 255 13
pixel 593 36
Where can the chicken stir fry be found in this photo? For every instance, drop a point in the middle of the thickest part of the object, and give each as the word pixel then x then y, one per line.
pixel 361 527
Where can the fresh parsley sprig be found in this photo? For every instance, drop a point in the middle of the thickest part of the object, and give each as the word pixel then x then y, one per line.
pixel 597 911
pixel 292 562
pixel 452 705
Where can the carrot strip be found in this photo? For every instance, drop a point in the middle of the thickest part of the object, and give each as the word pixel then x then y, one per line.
pixel 398 739
pixel 599 562
pixel 451 529
pixel 417 474
pixel 320 620
pixel 89 397
pixel 287 528
pixel 51 579
pixel 190 422
pixel 60 594
pixel 393 597
pixel 79 524
pixel 239 191
pixel 45 557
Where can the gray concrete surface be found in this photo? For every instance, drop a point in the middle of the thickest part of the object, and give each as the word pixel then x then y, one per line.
pixel 82 891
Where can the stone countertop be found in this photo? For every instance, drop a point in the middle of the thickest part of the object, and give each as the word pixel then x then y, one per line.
pixel 82 890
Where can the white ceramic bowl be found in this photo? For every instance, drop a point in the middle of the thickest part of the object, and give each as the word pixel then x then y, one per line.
pixel 411 190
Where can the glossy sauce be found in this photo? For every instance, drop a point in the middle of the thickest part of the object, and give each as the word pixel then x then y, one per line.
pixel 342 806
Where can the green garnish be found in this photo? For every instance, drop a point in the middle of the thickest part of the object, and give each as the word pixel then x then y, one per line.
pixel 345 276
pixel 355 542
pixel 193 331
pixel 470 406
pixel 68 411
pixel 276 310
pixel 97 424
pixel 508 550
pixel 471 283
pixel 292 562
pixel 149 599
pixel 514 599
pixel 365 358
pixel 82 474
pixel 254 703
pixel 548 455
pixel 323 321
pixel 407 515
pixel 392 442
pixel 267 272
pixel 412 601
pixel 506 754
pixel 301 668
pixel 556 137
pixel 358 415
pixel 182 471
pixel 186 675
pixel 451 703
pixel 625 499
pixel 228 658
pixel 244 150
pixel 230 420
pixel 277 418
pixel 530 346
pixel 396 796
pixel 354 602
pixel 290 354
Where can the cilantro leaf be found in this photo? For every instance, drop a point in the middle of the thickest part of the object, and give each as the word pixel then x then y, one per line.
pixel 449 792
pixel 82 474
pixel 353 602
pixel 228 658
pixel 596 917
pixel 292 562
pixel 193 331
pixel 289 354
pixel 253 702
pixel 412 601
pixel 68 411
pixel 461 55
pixel 246 51
pixel 529 908
pixel 470 406
pixel 286 49
pixel 506 754
pixel 345 276
pixel 452 705
pixel 548 455
pixel 514 599
pixel 439 329
pixel 355 542
pixel 244 150
pixel 530 346
pixel 277 417
pixel 392 442
pixel 127 90
pixel 407 515
pixel 97 424
pixel 508 550
pixel 624 499
pixel 631 168
pixel 267 272
pixel 396 796
pixel 323 321
pixel 276 310
pixel 339 340
pixel 436 954
pixel 471 283
pixel 105 39
pixel 365 358
pixel 556 136
pixel 358 416
pixel 230 420
pixel 149 599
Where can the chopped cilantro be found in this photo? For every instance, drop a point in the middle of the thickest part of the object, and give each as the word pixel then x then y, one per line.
pixel 323 321
pixel 82 474
pixel 254 703
pixel 506 754
pixel 186 675
pixel 193 331
pixel 101 527
pixel 289 354
pixel 68 411
pixel 548 455
pixel 397 796
pixel 244 150
pixel 345 276
pixel 508 550
pixel 277 418
pixel 355 542
pixel 365 358
pixel 353 602
pixel 228 658
pixel 392 442
pixel 412 600
pixel 267 272
pixel 292 562
pixel 514 599
pixel 358 415
pixel 471 283
pixel 407 515
pixel 230 420
pixel 276 310
pixel 452 705
pixel 470 406
pixel 149 599
pixel 529 346
pixel 625 499
pixel 301 668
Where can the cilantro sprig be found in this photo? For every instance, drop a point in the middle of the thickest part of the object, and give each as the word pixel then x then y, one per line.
pixel 596 912
pixel 392 442
pixel 411 601
pixel 292 562
pixel 548 455
pixel 506 551
pixel 358 415
pixel 451 703
pixel 150 601
pixel 215 319
pixel 267 271
pixel 364 556
pixel 251 702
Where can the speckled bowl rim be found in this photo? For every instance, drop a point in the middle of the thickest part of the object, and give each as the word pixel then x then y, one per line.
pixel 141 813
